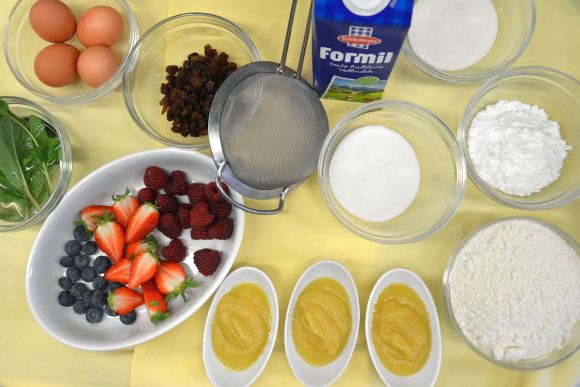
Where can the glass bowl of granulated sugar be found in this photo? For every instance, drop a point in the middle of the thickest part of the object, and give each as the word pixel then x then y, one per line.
pixel 465 41
pixel 512 293
pixel 521 138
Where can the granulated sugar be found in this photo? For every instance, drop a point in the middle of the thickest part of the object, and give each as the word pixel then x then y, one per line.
pixel 515 290
pixel 515 148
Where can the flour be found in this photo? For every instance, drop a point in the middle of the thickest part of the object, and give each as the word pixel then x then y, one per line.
pixel 515 148
pixel 452 35
pixel 515 290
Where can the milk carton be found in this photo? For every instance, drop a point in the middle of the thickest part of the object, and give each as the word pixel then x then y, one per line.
pixel 355 44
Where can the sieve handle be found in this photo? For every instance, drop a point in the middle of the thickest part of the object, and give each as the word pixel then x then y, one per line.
pixel 218 180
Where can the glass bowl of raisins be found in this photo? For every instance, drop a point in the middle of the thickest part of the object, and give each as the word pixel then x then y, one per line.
pixel 174 71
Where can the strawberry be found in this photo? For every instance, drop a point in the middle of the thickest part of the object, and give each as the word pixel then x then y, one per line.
pixel 125 205
pixel 155 302
pixel 91 215
pixel 124 300
pixel 119 272
pixel 143 268
pixel 172 281
pixel 142 222
pixel 110 237
pixel 136 248
pixel 200 217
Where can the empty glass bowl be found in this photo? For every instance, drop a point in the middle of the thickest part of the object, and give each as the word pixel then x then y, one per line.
pixel 170 42
pixel 441 164
pixel 21 45
pixel 516 21
pixel 559 95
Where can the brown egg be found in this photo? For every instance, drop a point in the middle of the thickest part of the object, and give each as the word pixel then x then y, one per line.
pixel 97 64
pixel 56 65
pixel 52 20
pixel 100 26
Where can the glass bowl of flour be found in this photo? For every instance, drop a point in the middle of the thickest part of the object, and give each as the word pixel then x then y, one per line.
pixel 512 293
pixel 521 138
pixel 392 172
pixel 465 41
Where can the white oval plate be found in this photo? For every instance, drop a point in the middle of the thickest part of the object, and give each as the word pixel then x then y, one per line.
pixel 428 374
pixel 44 270
pixel 217 373
pixel 308 374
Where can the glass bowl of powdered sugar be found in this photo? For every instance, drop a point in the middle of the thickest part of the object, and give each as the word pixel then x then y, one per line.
pixel 521 138
pixel 512 292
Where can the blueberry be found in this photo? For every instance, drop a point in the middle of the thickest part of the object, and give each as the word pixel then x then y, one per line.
pixel 88 274
pixel 82 262
pixel 65 283
pixel 73 273
pixel 66 261
pixel 102 264
pixel 128 318
pixel 65 298
pixel 98 298
pixel 78 289
pixel 94 315
pixel 88 298
pixel 82 234
pixel 90 248
pixel 99 283
pixel 112 286
pixel 109 311
pixel 72 248
pixel 79 307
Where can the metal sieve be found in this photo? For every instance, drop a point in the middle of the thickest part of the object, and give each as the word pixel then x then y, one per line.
pixel 266 128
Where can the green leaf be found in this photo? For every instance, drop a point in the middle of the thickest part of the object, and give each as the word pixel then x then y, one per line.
pixel 4 109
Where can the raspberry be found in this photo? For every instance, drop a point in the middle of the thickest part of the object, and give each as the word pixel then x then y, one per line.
pixel 220 210
pixel 155 178
pixel 175 251
pixel 169 226
pixel 146 195
pixel 199 234
pixel 183 215
pixel 200 217
pixel 221 229
pixel 196 193
pixel 207 261
pixel 167 204
pixel 177 184
pixel 212 193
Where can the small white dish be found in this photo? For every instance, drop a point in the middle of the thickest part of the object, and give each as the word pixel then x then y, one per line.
pixel 428 374
pixel 308 374
pixel 43 269
pixel 217 373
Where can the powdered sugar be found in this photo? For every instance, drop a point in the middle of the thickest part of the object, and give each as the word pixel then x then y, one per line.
pixel 515 290
pixel 515 148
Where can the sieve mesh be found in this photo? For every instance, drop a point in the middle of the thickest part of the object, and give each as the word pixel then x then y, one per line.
pixel 272 128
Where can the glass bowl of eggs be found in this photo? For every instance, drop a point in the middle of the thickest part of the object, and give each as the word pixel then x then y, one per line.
pixel 70 51
pixel 465 41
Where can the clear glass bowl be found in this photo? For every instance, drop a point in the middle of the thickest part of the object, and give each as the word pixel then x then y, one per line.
pixel 21 44
pixel 169 43
pixel 442 166
pixel 523 365
pixel 23 107
pixel 559 95
pixel 516 22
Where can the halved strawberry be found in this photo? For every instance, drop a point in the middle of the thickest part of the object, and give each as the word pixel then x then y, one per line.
pixel 119 272
pixel 172 281
pixel 134 249
pixel 143 268
pixel 125 205
pixel 91 215
pixel 124 300
pixel 142 222
pixel 155 302
pixel 110 237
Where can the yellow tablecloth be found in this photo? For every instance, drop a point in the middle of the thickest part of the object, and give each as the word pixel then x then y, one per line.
pixel 284 245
